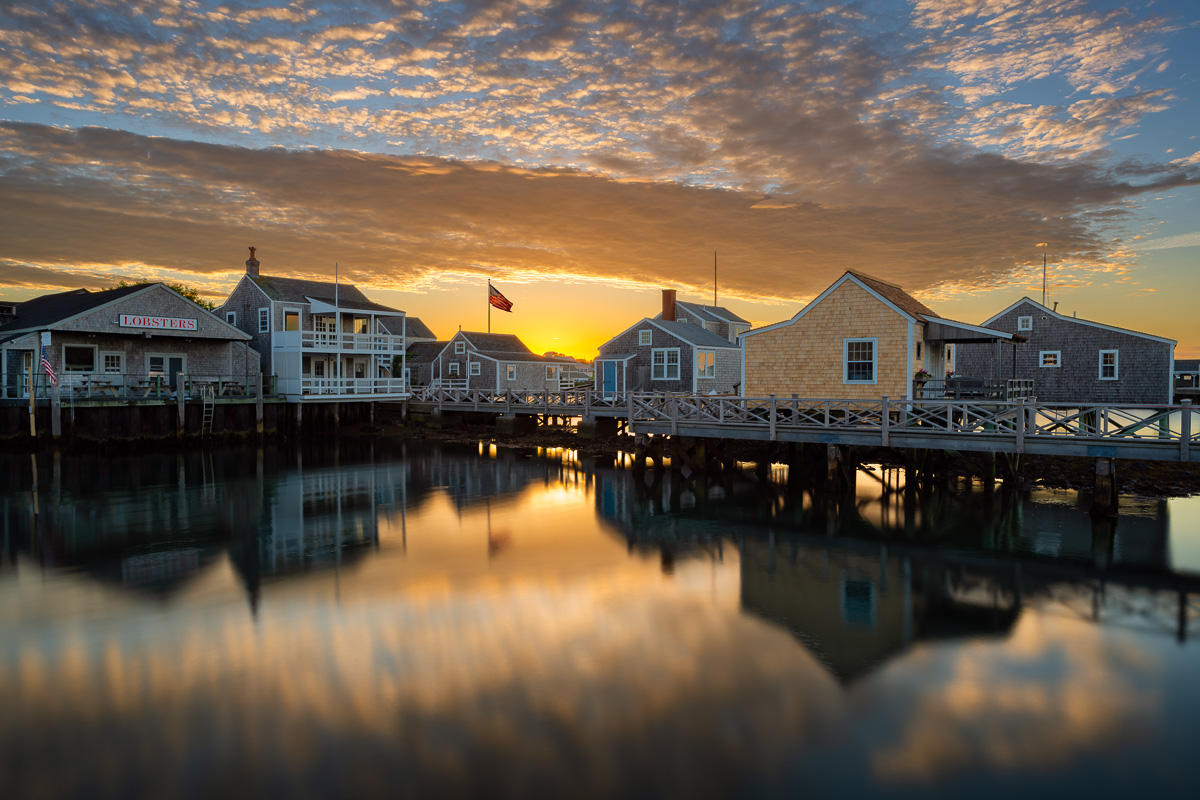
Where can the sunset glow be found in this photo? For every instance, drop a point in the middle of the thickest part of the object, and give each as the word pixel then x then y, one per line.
pixel 584 155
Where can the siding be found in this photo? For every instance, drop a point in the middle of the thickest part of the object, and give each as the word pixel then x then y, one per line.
pixel 1144 365
pixel 805 358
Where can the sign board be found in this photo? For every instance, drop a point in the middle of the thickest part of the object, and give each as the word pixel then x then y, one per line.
pixel 157 323
pixel 45 338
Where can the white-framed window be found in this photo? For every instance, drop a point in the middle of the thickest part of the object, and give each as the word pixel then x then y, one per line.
pixel 683 320
pixel 407 376
pixel 664 364
pixel 706 363
pixel 1024 323
pixel 460 348
pixel 291 320
pixel 113 363
pixel 318 369
pixel 1109 370
pixel 79 358
pixel 511 372
pixel 551 373
pixel 165 365
pixel 474 368
pixel 645 338
pixel 860 360
pixel 264 320
pixel 231 317
pixel 453 367
pixel 1050 358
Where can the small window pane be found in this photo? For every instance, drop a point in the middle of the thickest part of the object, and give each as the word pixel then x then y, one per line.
pixel 79 359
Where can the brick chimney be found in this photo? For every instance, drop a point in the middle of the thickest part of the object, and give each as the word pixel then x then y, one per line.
pixel 252 264
pixel 668 312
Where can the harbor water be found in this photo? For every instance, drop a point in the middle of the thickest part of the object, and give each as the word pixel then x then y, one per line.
pixel 391 619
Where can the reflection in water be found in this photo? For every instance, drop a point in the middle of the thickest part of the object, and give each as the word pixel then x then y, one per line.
pixel 424 620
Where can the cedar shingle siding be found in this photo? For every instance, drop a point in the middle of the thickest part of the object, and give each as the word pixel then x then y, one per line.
pixel 640 369
pixel 1143 364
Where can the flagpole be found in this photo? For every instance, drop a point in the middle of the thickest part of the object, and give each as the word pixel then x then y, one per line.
pixel 489 305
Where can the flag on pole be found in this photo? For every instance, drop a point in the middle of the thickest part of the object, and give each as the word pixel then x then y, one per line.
pixel 498 300
pixel 49 369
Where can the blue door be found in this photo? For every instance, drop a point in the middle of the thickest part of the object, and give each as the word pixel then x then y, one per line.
pixel 608 376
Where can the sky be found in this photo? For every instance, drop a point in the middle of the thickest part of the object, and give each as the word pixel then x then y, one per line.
pixel 583 156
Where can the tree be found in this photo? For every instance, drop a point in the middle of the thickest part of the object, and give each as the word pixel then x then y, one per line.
pixel 190 292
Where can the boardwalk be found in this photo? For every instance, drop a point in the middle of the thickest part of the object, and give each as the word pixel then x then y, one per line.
pixel 1158 433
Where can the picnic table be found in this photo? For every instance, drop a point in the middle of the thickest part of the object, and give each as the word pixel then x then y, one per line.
pixel 89 387
pixel 233 388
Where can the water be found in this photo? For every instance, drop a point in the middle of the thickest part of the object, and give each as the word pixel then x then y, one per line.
pixel 431 621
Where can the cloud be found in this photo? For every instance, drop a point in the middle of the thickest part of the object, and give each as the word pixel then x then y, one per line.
pixel 107 202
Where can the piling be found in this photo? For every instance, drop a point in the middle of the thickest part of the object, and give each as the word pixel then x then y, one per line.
pixel 1104 489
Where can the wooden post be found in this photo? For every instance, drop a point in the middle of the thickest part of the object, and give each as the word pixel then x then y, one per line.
pixel 1185 430
pixel 833 471
pixel 887 422
pixel 773 416
pixel 1020 425
pixel 299 416
pixel 587 403
pixel 258 408
pixel 180 400
pixel 32 403
pixel 1104 491
pixel 56 412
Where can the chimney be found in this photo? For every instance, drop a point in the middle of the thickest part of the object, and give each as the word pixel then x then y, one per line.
pixel 252 264
pixel 668 312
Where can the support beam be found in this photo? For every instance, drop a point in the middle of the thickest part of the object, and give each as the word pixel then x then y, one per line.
pixel 1104 489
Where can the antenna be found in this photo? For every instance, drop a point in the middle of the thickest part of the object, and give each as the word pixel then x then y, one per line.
pixel 1043 244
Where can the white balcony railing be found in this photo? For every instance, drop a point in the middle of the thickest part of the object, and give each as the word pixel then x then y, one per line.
pixel 329 342
pixel 358 387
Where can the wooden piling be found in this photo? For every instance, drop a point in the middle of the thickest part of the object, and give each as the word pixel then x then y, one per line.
pixel 1104 489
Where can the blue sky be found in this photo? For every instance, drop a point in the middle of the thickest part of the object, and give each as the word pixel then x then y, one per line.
pixel 585 154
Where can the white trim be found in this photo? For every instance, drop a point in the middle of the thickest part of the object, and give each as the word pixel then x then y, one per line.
pixel 666 364
pixel 911 366
pixel 874 340
pixel 645 338
pixel 166 357
pixel 1038 306
pixel 1116 365
pixel 453 368
pixel 460 348
pixel 474 368
pixel 62 354
pixel 266 322
pixel 845 277
pixel 103 354
pixel 510 372
pixel 1057 359
pixel 231 318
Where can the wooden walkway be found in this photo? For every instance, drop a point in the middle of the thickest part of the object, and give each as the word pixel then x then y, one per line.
pixel 1156 433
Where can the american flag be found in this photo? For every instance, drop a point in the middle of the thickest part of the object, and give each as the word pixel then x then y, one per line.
pixel 49 369
pixel 498 300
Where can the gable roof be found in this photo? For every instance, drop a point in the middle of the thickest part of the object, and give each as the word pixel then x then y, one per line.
pixel 716 313
pixel 418 329
pixel 51 309
pixel 1042 309
pixel 1187 364
pixel 684 331
pixel 495 342
pixel 423 352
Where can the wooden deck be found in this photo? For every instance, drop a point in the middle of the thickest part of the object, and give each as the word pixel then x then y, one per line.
pixel 1147 432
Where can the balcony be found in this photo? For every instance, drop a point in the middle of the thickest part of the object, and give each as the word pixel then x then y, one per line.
pixel 330 342
pixel 318 389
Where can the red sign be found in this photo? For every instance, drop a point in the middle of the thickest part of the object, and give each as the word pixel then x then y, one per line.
pixel 158 323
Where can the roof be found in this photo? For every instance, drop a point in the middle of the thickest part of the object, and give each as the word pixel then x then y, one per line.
pixel 694 334
pixel 294 290
pixel 424 351
pixel 50 309
pixel 509 355
pixel 496 343
pixel 896 296
pixel 1042 309
pixel 1187 364
pixel 717 313
pixel 418 329
pixel 412 327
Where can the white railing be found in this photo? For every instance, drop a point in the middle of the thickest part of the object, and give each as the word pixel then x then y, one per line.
pixel 358 387
pixel 330 342
pixel 1015 423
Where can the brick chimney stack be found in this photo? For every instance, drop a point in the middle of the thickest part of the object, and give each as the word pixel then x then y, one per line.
pixel 668 312
pixel 252 264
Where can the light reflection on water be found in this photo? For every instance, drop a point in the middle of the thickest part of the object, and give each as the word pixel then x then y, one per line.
pixel 434 621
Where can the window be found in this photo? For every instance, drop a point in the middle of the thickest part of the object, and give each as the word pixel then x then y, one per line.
pixel 460 348
pixel 473 368
pixel 1050 358
pixel 407 376
pixel 1024 323
pixel 1108 365
pixel 859 360
pixel 664 364
pixel 291 320
pixel 683 320
pixel 264 320
pixel 706 364
pixel 551 373
pixel 645 338
pixel 360 324
pixel 453 367
pixel 166 365
pixel 231 317
pixel 318 369
pixel 79 358
pixel 113 362
pixel 512 372
pixel 918 349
